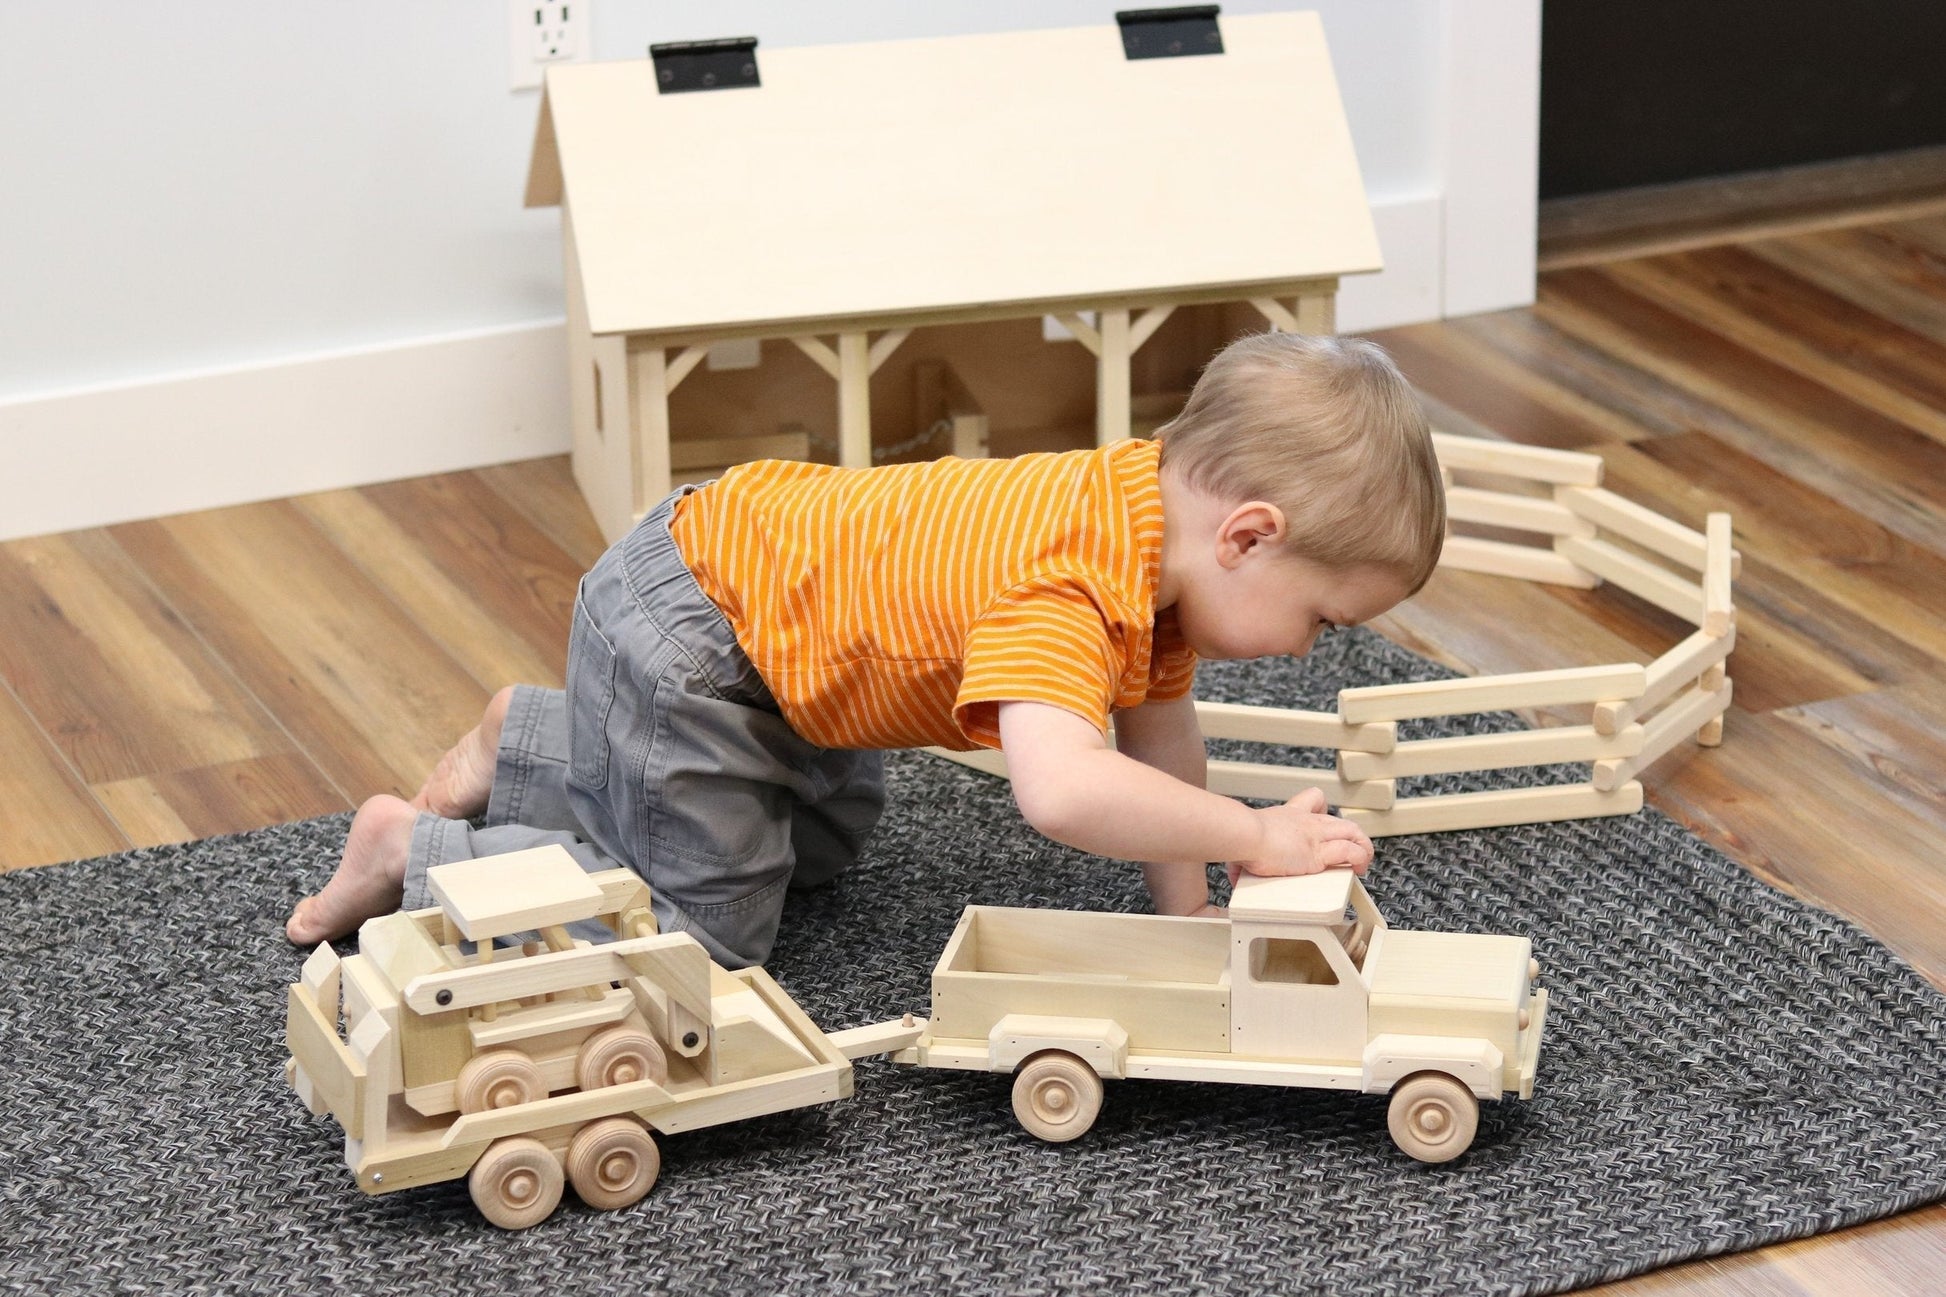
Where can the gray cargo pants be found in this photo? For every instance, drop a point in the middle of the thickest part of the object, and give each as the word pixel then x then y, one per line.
pixel 667 754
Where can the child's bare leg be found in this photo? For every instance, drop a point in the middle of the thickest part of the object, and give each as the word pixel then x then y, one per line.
pixel 458 786
pixel 370 879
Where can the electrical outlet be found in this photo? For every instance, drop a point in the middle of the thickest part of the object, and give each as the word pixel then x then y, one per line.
pixel 541 32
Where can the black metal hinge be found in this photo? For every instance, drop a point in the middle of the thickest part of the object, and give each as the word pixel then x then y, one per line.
pixel 705 65
pixel 1170 33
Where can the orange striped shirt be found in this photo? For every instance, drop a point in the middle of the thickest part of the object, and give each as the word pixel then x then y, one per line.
pixel 899 606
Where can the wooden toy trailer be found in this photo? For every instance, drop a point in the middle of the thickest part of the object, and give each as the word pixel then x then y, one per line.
pixel 902 214
pixel 523 1069
pixel 1304 984
pixel 1584 535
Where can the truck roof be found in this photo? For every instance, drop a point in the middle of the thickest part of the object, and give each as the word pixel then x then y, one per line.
pixel 1300 898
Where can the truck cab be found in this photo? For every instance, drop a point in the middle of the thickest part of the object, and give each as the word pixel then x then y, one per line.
pixel 1318 975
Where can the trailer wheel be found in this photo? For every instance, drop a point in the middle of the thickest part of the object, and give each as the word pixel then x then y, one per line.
pixel 618 1056
pixel 499 1078
pixel 1056 1096
pixel 612 1162
pixel 1433 1116
pixel 516 1182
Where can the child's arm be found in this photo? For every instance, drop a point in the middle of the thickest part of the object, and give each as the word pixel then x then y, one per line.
pixel 1165 736
pixel 1074 788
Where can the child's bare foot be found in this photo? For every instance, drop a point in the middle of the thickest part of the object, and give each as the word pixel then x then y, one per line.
pixel 371 876
pixel 458 787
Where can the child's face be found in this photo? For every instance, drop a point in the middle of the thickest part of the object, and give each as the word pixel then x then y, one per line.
pixel 1266 603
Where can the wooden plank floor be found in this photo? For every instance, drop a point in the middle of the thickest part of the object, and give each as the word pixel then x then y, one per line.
pixel 220 671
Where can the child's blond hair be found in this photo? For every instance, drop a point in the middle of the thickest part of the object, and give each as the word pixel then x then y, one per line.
pixel 1328 430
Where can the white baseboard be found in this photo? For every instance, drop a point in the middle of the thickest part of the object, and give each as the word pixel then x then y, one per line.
pixel 104 455
pixel 199 441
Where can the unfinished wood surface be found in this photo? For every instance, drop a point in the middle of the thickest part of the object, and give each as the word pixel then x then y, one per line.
pixel 1449 811
pixel 1521 562
pixel 1144 326
pixel 1279 316
pixel 1717 608
pixel 1634 522
pixel 1829 785
pixel 820 351
pixel 1666 675
pixel 1491 693
pixel 1491 752
pixel 1638 576
pixel 1293 727
pixel 1680 719
pixel 854 400
pixel 687 454
pixel 1111 377
pixel 1317 313
pixel 1561 467
pixel 1281 783
pixel 1054 136
pixel 1520 512
pixel 496 896
pixel 678 369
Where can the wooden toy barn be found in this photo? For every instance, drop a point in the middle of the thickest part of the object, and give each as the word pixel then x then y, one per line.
pixel 1026 240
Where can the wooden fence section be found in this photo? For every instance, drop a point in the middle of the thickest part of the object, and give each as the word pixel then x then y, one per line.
pixel 1584 536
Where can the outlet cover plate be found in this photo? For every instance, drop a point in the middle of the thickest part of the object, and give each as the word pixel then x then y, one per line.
pixel 544 32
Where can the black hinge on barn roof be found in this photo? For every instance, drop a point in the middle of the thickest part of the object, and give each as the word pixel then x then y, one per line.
pixel 705 65
pixel 1170 33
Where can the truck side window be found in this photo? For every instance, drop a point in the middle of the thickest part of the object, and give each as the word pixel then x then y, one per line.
pixel 1290 959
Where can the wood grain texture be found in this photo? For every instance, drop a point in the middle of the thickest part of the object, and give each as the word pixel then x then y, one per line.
pixel 48 812
pixel 363 689
pixel 216 672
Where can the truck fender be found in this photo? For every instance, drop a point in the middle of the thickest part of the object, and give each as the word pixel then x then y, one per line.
pixel 1473 1062
pixel 1102 1043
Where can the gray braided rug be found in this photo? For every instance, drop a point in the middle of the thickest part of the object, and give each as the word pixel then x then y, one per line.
pixel 1724 1068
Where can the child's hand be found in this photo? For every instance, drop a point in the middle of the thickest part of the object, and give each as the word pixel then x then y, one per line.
pixel 1300 838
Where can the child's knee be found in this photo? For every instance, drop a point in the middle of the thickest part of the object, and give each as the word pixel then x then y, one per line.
pixel 737 934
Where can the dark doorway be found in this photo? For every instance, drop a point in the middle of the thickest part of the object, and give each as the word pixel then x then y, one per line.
pixel 1648 92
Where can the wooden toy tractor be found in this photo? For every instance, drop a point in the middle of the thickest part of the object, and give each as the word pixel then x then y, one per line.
pixel 529 1066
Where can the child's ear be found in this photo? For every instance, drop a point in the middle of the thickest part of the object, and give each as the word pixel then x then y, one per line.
pixel 1248 528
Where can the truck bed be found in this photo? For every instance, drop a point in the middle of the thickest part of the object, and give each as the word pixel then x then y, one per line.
pixel 1165 980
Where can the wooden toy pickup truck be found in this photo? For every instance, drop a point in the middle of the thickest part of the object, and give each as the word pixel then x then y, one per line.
pixel 1303 984
pixel 521 1067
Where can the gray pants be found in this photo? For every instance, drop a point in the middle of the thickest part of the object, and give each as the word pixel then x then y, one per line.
pixel 666 754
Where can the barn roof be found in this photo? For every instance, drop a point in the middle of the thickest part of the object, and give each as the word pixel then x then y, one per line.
pixel 918 176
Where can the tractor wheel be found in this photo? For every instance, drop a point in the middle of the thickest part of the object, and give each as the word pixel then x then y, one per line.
pixel 618 1056
pixel 1056 1096
pixel 516 1183
pixel 1433 1116
pixel 499 1078
pixel 612 1162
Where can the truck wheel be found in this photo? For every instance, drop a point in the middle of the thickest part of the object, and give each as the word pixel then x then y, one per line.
pixel 1433 1116
pixel 499 1078
pixel 618 1056
pixel 1056 1096
pixel 516 1183
pixel 612 1162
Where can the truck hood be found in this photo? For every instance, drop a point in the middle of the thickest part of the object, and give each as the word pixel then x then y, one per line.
pixel 1450 966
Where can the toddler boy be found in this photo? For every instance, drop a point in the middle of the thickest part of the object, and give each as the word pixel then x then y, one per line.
pixel 739 659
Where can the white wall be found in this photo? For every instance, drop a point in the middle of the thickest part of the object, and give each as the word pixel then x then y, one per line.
pixel 248 250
